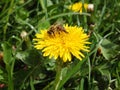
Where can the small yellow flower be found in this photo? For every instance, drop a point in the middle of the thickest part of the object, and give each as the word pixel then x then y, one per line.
pixel 63 45
pixel 78 7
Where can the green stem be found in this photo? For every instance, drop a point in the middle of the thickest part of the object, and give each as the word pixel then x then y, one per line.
pixel 78 20
pixel 66 14
pixel 48 86
pixel 31 83
pixel 9 63
pixel 10 77
pixel 43 5
pixel 89 75
pixel 10 68
pixel 59 75
pixel 7 19
pixel 71 72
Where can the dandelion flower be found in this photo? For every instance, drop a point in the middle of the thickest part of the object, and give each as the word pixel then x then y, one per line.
pixel 61 44
pixel 78 7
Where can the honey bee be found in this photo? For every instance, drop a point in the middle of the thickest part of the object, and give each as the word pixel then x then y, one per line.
pixel 56 28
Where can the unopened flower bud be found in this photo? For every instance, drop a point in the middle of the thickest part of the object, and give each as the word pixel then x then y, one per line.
pixel 90 7
pixel 23 34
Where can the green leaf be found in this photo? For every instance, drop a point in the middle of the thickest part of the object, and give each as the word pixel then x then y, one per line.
pixel 1 76
pixel 7 52
pixel 71 72
pixel 81 84
pixel 44 25
pixel 108 49
pixel 30 57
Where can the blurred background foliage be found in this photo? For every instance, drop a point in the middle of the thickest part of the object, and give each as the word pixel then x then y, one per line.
pixel 27 69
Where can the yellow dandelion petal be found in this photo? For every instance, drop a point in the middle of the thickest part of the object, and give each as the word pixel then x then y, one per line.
pixel 58 44
pixel 47 53
pixel 62 50
pixel 76 54
pixel 66 56
pixel 38 46
pixel 78 7
pixel 56 55
pixel 82 55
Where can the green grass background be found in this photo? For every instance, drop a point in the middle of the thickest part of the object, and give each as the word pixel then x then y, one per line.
pixel 22 67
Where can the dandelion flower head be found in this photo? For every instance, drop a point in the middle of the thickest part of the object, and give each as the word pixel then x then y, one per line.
pixel 78 7
pixel 63 44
